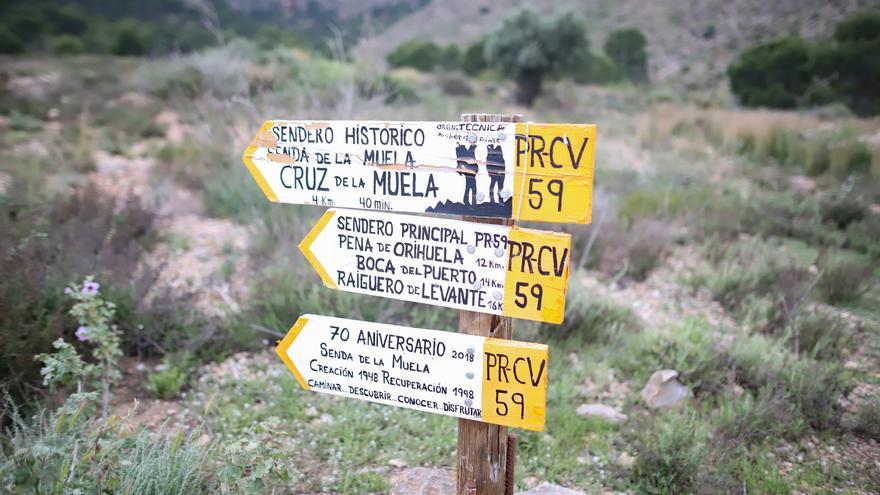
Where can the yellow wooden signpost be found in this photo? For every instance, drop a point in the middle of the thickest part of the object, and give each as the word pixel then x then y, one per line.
pixel 496 381
pixel 494 170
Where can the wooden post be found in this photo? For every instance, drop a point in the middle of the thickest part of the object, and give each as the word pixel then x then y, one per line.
pixel 482 447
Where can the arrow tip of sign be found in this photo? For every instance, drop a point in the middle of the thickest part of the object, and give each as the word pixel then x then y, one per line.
pixel 247 158
pixel 285 343
pixel 306 244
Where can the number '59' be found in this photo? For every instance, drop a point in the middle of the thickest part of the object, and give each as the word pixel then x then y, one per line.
pixel 516 398
pixel 521 297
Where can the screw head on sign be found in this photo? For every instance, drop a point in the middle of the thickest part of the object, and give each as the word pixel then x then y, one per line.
pixel 470 350
pixel 480 196
pixel 498 296
pixel 499 252
pixel 502 136
pixel 468 402
pixel 505 194
pixel 471 138
pixel 478 285
pixel 469 375
pixel 471 249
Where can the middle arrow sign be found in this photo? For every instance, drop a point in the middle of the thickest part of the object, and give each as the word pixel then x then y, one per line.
pixel 487 268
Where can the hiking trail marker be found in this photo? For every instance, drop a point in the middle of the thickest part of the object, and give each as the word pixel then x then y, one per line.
pixel 492 169
pixel 495 381
pixel 522 171
pixel 470 266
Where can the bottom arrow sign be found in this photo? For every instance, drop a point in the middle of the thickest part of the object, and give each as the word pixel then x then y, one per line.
pixel 467 376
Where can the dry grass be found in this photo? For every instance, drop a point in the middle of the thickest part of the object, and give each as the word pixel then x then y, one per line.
pixel 807 141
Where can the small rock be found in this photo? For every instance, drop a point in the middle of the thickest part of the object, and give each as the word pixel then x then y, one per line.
pixel 531 481
pixel 326 419
pixel 663 390
pixel 551 489
pixel 311 412
pixel 607 413
pixel 423 481
pixel 625 460
pixel 851 365
pixel 398 463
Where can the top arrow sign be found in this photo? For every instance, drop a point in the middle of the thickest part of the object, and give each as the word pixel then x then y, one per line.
pixel 523 171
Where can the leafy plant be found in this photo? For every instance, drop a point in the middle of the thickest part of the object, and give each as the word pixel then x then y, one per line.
pixel 626 48
pixel 529 47
pixel 670 455
pixel 843 280
pixel 168 382
pixel 774 73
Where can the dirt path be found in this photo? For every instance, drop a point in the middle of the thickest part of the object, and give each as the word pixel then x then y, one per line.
pixel 198 255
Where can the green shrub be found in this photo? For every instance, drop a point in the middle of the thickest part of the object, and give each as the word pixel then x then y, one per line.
pixel 67 451
pixel 820 94
pixel 455 85
pixel 129 39
pixel 168 382
pixel 670 454
pixel 473 60
pixel 67 44
pixel 27 22
pixel 635 251
pixel 842 209
pixel 42 246
pixel 847 61
pixel 421 55
pixel 529 47
pixel 843 280
pixel 773 74
pixel 850 158
pixel 626 48
pixel 162 465
pixel 759 284
pixel 868 419
pixel 819 336
pixel 10 43
pixel 864 236
pixel 589 320
pixel 812 388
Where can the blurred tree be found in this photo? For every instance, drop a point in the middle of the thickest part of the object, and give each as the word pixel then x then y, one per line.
pixel 773 74
pixel 626 48
pixel 419 55
pixel 67 44
pixel 129 39
pixel 67 19
pixel 851 63
pixel 10 44
pixel 26 22
pixel 451 57
pixel 473 60
pixel 529 48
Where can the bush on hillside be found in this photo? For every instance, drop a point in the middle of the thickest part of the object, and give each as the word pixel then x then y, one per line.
pixel 773 74
pixel 851 63
pixel 424 56
pixel 626 48
pixel 67 44
pixel 10 44
pixel 530 48
pixel 130 39
pixel 789 72
pixel 473 59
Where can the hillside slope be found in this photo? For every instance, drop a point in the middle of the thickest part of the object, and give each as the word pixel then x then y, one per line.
pixel 690 42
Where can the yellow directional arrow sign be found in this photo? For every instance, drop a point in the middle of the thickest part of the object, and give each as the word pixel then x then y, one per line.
pixel 463 265
pixel 497 381
pixel 523 171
